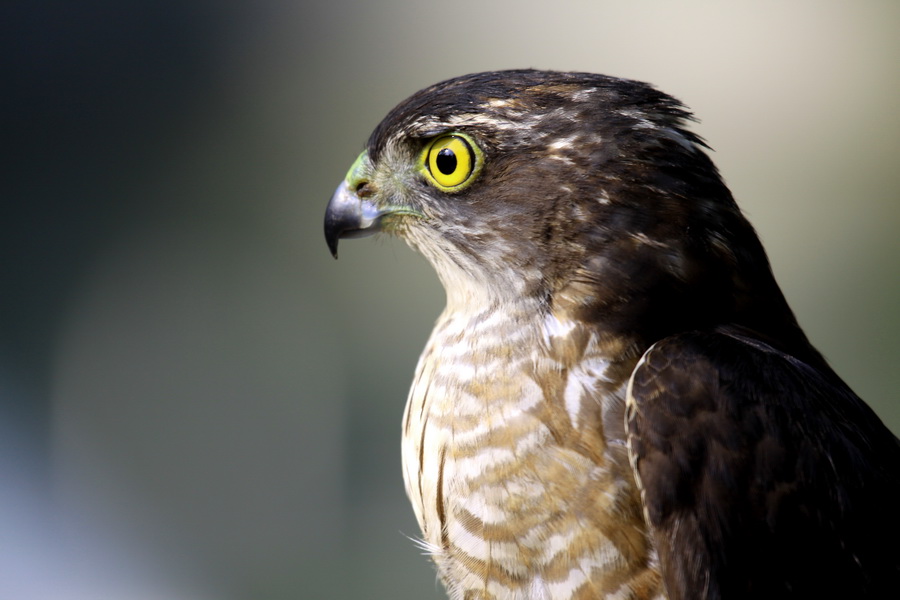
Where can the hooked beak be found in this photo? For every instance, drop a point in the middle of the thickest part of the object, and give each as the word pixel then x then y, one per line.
pixel 349 216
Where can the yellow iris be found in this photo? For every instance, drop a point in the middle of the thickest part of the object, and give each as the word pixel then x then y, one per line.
pixel 451 161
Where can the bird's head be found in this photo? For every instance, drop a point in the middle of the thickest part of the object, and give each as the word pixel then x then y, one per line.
pixel 571 187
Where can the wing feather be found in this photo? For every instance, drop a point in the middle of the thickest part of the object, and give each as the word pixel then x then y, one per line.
pixel 760 475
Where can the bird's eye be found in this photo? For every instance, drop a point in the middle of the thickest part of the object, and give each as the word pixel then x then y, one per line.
pixel 451 162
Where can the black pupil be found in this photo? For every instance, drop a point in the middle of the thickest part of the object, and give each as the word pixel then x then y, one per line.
pixel 446 161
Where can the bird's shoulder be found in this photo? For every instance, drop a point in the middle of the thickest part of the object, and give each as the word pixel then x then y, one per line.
pixel 747 458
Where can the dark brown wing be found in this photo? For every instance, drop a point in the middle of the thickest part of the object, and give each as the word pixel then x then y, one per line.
pixel 762 477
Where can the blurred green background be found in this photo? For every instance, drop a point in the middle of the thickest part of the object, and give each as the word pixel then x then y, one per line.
pixel 197 401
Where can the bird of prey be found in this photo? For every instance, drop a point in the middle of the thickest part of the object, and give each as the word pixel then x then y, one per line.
pixel 616 402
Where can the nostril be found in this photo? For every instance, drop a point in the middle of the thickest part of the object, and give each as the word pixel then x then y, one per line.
pixel 363 189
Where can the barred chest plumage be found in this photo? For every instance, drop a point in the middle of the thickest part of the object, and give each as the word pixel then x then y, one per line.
pixel 515 464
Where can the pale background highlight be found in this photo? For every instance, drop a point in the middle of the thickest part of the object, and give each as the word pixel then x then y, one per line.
pixel 196 401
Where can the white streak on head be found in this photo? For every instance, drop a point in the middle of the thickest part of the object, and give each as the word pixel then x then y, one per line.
pixel 497 103
pixel 563 143
pixel 484 120
pixel 562 159
pixel 663 131
pixel 583 94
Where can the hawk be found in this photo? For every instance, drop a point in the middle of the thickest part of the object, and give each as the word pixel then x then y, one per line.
pixel 617 401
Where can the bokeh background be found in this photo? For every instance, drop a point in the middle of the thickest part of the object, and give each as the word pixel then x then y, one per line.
pixel 197 401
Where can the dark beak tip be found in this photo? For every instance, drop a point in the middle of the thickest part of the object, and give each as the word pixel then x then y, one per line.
pixel 348 217
pixel 332 237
